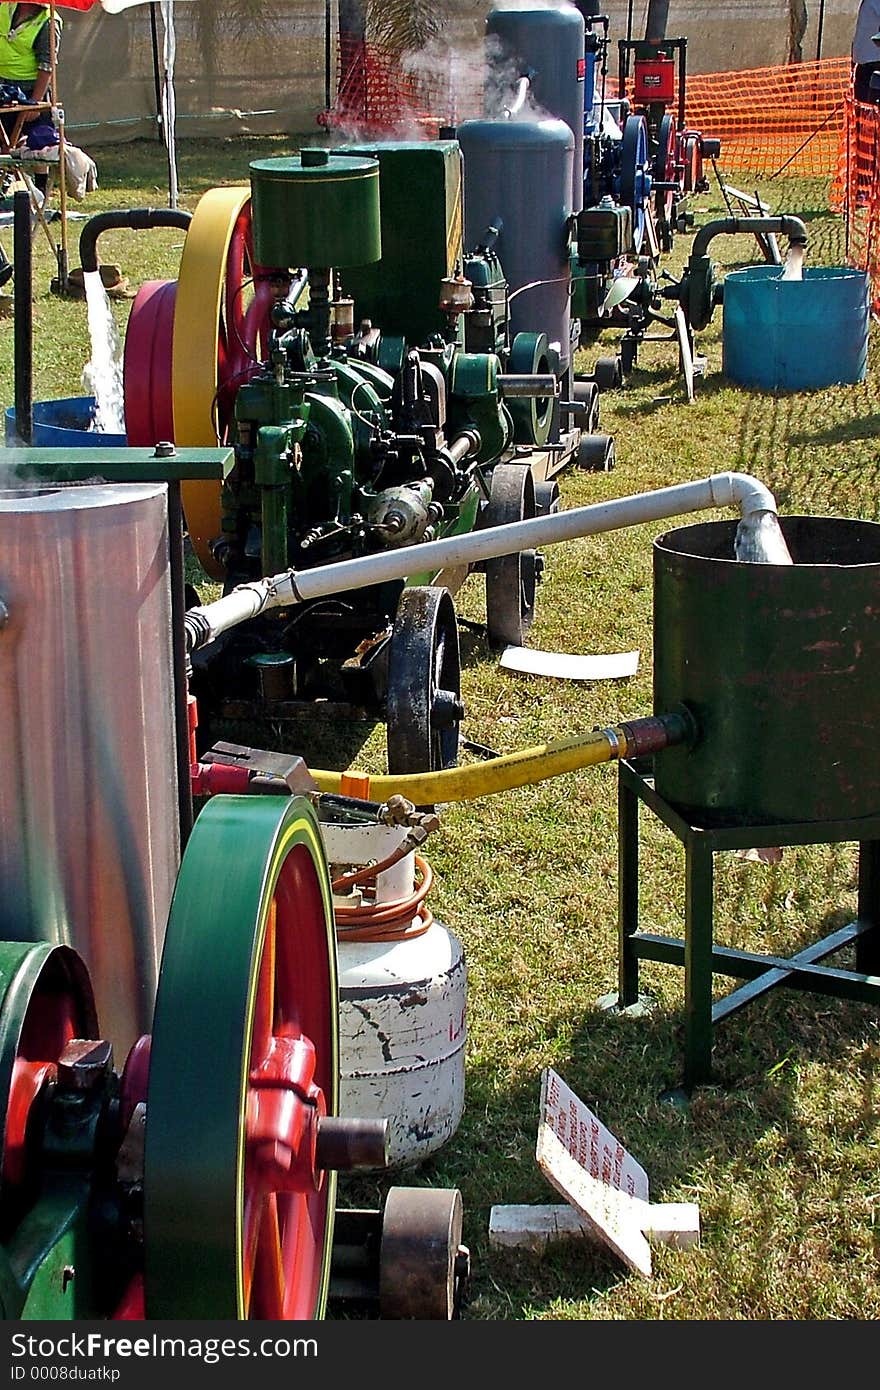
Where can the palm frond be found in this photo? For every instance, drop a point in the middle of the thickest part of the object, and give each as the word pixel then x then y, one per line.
pixel 402 26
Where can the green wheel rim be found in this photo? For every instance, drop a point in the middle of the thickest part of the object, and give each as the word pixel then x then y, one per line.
pixel 532 418
pixel 252 903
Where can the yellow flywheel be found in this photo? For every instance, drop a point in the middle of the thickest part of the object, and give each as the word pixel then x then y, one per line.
pixel 220 327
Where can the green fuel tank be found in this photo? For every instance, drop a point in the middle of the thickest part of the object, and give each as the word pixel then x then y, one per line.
pixel 780 666
pixel 316 209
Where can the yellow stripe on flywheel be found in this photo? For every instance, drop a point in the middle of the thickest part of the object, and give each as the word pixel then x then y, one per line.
pixel 201 286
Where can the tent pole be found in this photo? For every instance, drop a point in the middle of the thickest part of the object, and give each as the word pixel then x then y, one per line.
pixel 157 81
pixel 60 251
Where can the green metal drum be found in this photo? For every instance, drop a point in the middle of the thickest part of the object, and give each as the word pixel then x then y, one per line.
pixel 779 664
pixel 316 209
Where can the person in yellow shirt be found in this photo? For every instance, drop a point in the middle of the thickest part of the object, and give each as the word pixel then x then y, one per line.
pixel 26 55
pixel 25 67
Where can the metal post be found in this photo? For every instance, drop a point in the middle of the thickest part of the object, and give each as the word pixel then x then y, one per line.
pixel 61 251
pixel 820 28
pixel 179 658
pixel 157 81
pixel 24 315
pixel 868 943
pixel 699 905
pixel 327 43
pixel 627 892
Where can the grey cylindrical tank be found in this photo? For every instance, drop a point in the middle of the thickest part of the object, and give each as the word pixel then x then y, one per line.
pixel 90 847
pixel 780 666
pixel 548 44
pixel 518 174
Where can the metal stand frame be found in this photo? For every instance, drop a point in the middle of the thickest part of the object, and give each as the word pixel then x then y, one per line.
pixel 697 951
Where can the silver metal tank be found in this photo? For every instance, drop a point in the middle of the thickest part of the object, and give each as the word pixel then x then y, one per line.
pixel 89 831
pixel 517 175
pixel 548 44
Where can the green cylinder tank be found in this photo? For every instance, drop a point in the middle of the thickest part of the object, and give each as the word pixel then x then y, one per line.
pixel 316 209
pixel 779 664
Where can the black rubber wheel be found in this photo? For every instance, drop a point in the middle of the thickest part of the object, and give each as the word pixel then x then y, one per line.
pixel 423 708
pixel 511 580
pixel 596 453
pixel 547 497
pixel 607 373
pixel 586 418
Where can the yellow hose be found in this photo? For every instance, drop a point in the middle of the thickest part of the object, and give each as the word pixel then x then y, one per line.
pixel 520 769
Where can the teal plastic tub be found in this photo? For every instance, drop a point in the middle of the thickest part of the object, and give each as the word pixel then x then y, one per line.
pixel 795 335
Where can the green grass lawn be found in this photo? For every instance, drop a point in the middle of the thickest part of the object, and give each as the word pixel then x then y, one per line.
pixel 781 1153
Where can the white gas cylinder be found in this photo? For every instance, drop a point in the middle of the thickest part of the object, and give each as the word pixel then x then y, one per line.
pixel 402 1010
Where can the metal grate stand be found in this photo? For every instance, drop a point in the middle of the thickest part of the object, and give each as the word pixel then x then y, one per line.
pixel 697 951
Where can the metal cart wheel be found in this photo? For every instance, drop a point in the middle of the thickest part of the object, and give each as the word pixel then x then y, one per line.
pixel 586 418
pixel 423 702
pixel 511 580
pixel 244 1065
pixel 422 1264
pixel 548 498
pixel 607 373
pixel 596 453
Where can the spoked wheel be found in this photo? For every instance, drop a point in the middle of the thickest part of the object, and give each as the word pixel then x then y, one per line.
pixel 664 172
pixel 693 161
pixel 423 700
pixel 244 1065
pixel 422 1264
pixel 635 181
pixel 511 580
pixel 529 355
pixel 46 1002
pixel 221 326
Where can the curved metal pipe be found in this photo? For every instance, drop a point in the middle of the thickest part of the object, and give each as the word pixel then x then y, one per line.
pixel 136 219
pixel 204 624
pixel 792 227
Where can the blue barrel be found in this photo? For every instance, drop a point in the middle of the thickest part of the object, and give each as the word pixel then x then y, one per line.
pixel 795 335
pixel 64 424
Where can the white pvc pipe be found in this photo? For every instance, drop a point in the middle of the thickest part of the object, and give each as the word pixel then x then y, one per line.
pixel 297 586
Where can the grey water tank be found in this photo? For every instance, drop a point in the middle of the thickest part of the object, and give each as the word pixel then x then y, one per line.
pixel 90 846
pixel 517 175
pixel 547 44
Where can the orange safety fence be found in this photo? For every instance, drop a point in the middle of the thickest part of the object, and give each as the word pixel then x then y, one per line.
pixel 785 119
pixel 797 119
pixel 856 190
